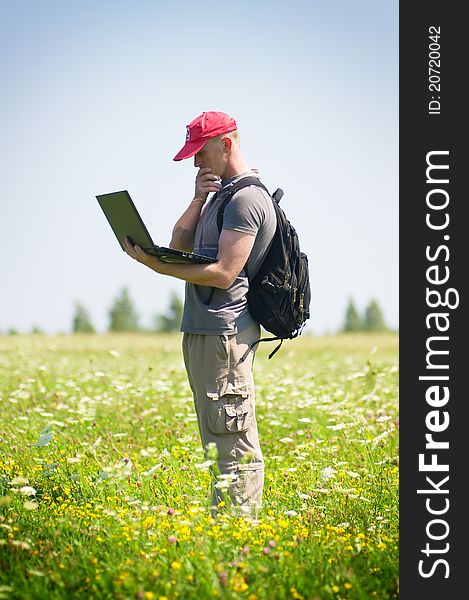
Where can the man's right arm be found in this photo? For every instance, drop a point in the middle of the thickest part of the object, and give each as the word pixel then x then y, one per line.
pixel 184 229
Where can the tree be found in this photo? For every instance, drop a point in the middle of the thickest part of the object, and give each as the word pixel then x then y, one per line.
pixel 36 330
pixel 374 319
pixel 82 320
pixel 352 321
pixel 172 320
pixel 123 315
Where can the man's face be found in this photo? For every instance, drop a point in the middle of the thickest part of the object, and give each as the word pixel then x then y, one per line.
pixel 212 155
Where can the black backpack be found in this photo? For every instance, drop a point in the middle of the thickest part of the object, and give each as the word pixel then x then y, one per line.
pixel 279 294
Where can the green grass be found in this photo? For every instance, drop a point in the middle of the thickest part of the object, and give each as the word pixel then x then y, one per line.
pixel 101 432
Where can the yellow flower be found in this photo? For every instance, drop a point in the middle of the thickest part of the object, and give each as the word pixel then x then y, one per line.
pixel 176 565
pixel 149 522
pixel 381 546
pixel 335 589
pixel 239 585
pixel 347 586
pixel 149 595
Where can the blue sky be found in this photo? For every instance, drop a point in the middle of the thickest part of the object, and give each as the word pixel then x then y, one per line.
pixel 96 96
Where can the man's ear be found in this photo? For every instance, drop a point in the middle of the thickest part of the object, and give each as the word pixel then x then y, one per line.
pixel 227 143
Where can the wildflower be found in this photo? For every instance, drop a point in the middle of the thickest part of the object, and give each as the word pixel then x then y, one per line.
pixel 19 481
pixel 20 544
pixel 337 427
pixel 383 419
pixel 223 577
pixel 149 522
pixel 172 539
pixel 205 465
pixel 328 473
pixel 212 451
pixel 27 491
pixel 35 573
pixel 239 584
pixel 380 438
pixel 176 565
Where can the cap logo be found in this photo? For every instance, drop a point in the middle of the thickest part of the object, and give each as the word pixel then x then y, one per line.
pixel 188 134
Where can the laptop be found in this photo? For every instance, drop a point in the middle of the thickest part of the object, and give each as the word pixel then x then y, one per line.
pixel 125 220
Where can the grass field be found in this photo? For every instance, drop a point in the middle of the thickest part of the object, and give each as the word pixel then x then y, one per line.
pixel 104 486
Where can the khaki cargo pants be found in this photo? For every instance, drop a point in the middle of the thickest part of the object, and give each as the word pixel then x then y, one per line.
pixel 223 388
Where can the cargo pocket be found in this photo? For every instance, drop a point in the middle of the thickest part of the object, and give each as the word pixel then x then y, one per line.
pixel 230 413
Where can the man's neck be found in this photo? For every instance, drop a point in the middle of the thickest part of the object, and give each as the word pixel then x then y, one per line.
pixel 236 167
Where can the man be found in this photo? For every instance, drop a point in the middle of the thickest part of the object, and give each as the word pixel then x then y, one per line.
pixel 218 328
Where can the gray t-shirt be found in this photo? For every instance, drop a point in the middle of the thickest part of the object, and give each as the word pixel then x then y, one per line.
pixel 251 211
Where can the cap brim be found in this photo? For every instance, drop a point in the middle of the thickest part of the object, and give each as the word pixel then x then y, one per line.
pixel 189 149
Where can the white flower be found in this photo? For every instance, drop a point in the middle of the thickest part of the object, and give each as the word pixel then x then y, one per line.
pixel 20 544
pixel 328 473
pixel 19 481
pixel 152 470
pixel 27 490
pixel 337 427
pixel 378 439
pixel 383 419
pixel 205 465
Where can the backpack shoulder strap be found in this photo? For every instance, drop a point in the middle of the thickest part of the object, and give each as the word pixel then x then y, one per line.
pixel 242 183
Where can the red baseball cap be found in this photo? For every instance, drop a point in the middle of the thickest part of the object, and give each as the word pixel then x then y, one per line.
pixel 202 128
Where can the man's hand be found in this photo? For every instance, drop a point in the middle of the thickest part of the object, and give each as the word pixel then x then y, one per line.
pixel 141 256
pixel 206 182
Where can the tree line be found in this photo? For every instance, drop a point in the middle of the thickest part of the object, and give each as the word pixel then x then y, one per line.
pixel 123 316
pixel 372 318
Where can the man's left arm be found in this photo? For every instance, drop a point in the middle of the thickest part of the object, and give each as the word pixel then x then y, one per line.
pixel 234 248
